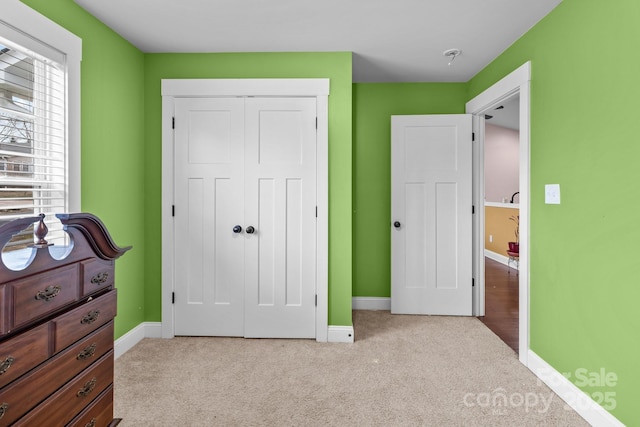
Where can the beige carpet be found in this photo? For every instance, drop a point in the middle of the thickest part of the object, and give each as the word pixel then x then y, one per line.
pixel 401 371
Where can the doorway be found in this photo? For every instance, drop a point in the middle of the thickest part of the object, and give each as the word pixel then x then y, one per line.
pixel 501 209
pixel 316 92
pixel 516 83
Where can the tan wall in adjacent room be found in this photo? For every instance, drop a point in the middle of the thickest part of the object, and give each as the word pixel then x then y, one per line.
pixel 498 225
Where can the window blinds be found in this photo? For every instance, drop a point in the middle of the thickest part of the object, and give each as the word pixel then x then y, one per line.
pixel 33 158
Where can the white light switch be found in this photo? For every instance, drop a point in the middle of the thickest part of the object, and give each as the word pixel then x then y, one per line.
pixel 552 194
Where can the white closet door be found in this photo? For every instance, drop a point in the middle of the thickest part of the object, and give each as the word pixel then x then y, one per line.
pixel 209 200
pixel 280 195
pixel 248 163
pixel 431 214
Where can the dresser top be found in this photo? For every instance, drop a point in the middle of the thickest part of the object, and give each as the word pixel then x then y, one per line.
pixel 88 238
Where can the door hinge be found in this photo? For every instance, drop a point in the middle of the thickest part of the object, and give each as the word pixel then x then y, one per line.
pixel 316 300
pixel 316 212
pixel 173 210
pixel 173 297
pixel 473 210
pixel 473 136
pixel 316 123
pixel 473 283
pixel 173 123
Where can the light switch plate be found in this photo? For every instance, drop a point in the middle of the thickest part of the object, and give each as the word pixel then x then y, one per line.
pixel 552 194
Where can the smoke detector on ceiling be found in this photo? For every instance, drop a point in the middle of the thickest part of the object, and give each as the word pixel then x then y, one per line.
pixel 452 54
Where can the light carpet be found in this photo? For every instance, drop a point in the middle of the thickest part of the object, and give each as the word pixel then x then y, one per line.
pixel 401 371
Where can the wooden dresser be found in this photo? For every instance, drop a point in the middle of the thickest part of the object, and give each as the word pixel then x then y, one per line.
pixel 56 325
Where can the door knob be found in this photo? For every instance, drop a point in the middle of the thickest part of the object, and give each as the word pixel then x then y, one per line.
pixel 237 229
pixel 250 230
pixel 397 224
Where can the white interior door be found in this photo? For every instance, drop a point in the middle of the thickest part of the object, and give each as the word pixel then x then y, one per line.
pixel 245 225
pixel 280 197
pixel 431 214
pixel 209 203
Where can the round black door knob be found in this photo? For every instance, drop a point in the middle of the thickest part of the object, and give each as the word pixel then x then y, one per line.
pixel 250 230
pixel 396 224
pixel 237 229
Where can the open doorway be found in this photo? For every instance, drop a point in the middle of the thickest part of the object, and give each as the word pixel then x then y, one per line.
pixel 501 219
pixel 517 83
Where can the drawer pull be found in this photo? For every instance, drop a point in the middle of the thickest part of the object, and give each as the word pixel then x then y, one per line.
pixel 4 366
pixel 87 352
pixel 91 423
pixel 48 294
pixel 100 278
pixel 88 388
pixel 91 317
pixel 3 409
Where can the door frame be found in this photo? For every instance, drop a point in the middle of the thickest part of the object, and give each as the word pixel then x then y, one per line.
pixel 517 82
pixel 210 88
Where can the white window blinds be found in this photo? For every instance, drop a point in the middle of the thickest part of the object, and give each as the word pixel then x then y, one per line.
pixel 33 158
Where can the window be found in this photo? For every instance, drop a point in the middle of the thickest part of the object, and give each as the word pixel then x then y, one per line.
pixel 39 118
pixel 32 134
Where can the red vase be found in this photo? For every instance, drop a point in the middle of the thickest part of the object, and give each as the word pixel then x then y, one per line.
pixel 514 247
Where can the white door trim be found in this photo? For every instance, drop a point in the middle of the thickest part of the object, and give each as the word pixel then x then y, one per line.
pixel 318 88
pixel 518 81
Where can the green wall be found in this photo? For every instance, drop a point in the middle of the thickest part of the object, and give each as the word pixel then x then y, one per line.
pixel 584 136
pixel 373 106
pixel 337 67
pixel 112 98
pixel 583 112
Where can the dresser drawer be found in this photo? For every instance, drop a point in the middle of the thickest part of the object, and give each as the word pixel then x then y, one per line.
pixel 98 414
pixel 44 293
pixel 22 353
pixel 96 275
pixel 84 352
pixel 51 375
pixel 71 399
pixel 80 321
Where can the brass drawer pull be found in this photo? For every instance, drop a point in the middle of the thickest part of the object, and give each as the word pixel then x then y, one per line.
pixel 100 278
pixel 87 352
pixel 3 409
pixel 88 388
pixel 91 423
pixel 48 294
pixel 91 317
pixel 4 366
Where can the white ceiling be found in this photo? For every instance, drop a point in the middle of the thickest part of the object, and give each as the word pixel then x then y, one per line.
pixel 391 40
pixel 508 116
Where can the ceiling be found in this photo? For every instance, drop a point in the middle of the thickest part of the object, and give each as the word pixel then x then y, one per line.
pixel 506 115
pixel 391 40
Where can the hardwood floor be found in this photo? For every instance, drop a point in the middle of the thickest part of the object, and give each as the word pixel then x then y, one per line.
pixel 501 302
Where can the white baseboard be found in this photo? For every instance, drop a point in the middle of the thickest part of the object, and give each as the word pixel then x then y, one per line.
pixel 371 303
pixel 343 334
pixel 496 257
pixel 135 335
pixel 340 334
pixel 575 398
